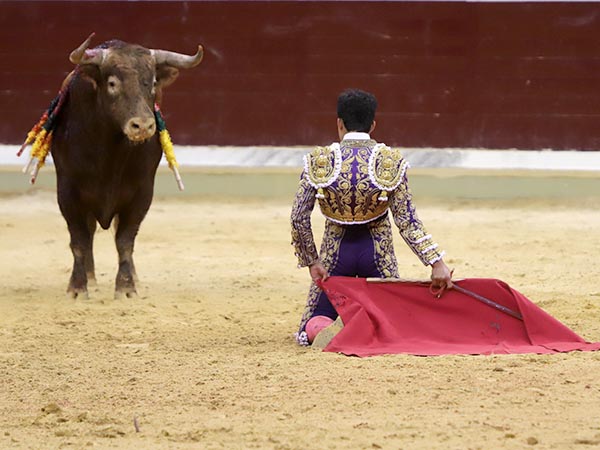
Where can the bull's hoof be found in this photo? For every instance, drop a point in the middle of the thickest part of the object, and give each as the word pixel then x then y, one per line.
pixel 121 294
pixel 73 293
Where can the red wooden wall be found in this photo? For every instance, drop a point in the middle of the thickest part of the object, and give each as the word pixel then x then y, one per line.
pixel 447 74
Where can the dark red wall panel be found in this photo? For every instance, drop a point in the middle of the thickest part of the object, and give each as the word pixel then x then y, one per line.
pixel 447 74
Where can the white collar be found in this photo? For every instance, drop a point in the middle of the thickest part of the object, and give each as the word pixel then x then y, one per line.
pixel 357 136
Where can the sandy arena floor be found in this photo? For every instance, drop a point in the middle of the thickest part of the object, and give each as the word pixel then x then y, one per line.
pixel 205 358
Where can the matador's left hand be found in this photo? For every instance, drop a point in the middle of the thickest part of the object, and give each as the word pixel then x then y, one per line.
pixel 318 271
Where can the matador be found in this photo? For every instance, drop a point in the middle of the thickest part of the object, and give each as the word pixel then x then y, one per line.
pixel 357 183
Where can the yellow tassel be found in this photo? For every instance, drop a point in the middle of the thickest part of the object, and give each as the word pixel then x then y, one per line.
pixel 39 142
pixel 45 149
pixel 39 151
pixel 41 146
pixel 33 133
pixel 167 148
pixel 30 137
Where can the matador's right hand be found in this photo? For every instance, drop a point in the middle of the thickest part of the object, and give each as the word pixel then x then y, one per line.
pixel 441 275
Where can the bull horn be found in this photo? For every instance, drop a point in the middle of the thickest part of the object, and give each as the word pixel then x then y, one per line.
pixel 81 55
pixel 178 60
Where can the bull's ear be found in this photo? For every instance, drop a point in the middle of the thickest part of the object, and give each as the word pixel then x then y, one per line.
pixel 165 75
pixel 91 74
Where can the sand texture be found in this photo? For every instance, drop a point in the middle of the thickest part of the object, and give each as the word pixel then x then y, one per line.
pixel 205 357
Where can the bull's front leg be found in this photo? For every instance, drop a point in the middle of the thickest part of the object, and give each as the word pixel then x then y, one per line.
pixel 81 233
pixel 88 257
pixel 127 229
pixel 81 247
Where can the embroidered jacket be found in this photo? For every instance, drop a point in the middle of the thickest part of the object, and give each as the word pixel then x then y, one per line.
pixel 356 182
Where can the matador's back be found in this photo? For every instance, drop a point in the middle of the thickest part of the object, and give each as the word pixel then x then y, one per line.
pixel 353 179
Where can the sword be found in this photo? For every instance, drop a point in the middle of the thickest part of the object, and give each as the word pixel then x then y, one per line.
pixel 456 287
pixel 488 302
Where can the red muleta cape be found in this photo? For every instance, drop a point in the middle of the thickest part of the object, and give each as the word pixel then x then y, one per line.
pixel 388 318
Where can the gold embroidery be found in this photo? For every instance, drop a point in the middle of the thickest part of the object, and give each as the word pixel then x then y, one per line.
pixel 330 250
pixel 411 228
pixel 323 166
pixel 302 235
pixel 387 167
pixel 338 198
pixel 352 198
pixel 385 258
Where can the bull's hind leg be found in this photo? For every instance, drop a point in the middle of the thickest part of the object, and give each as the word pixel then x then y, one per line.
pixel 127 229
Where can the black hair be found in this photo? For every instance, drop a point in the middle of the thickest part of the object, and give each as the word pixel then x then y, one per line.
pixel 357 109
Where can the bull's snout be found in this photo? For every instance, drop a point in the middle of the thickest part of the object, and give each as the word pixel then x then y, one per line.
pixel 139 129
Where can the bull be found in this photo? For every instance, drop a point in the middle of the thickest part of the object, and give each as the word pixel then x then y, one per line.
pixel 106 150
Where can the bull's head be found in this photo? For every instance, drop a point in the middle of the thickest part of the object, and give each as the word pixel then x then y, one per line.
pixel 128 80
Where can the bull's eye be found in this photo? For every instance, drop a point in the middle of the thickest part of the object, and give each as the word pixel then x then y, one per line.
pixel 113 85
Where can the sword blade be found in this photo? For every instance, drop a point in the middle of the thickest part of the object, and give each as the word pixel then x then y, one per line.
pixel 488 302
